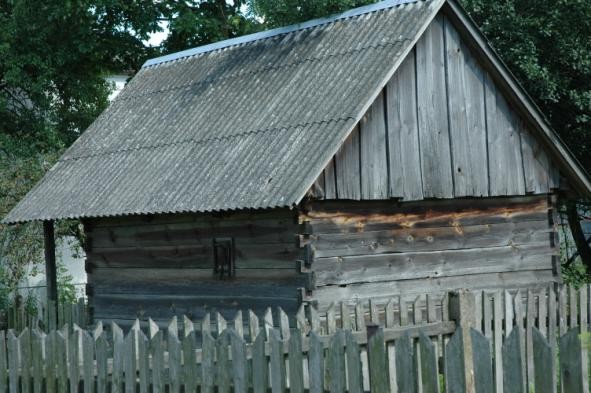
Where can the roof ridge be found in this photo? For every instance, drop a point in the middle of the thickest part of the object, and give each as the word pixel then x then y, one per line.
pixel 385 4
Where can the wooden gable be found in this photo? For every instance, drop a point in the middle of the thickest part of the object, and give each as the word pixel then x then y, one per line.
pixel 439 129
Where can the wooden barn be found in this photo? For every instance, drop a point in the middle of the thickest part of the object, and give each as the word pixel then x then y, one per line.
pixel 386 150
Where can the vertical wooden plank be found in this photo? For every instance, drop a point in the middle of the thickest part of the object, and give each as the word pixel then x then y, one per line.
pixel 436 166
pixel 374 161
pixel 345 316
pixel 429 369
pixel 296 363
pixel 330 181
pixel 3 363
pixel 239 366
pixel 543 312
pixel 223 367
pixel 253 325
pixel 504 147
pixel 268 320
pixel 190 362
pixel 174 357
pixel 25 359
pixel 13 362
pixel 359 316
pixel 417 311
pixel 562 310
pixel 583 307
pixel 543 381
pixel 277 363
pixel 129 362
pixel 509 313
pixel 498 339
pixel 552 328
pixel 283 323
pixel 536 163
pixel 88 362
pixel 143 361
pixel 455 380
pixel 206 324
pixel 118 356
pixel 38 360
pixel 101 350
pixel 314 319
pixel 378 371
pixel 73 361
pixel 157 354
pixel 405 365
pixel 519 326
pixel 316 364
pixel 389 309
pixel 331 323
pixel 483 377
pixel 208 364
pixel 571 374
pixel 354 377
pixel 239 324
pixel 467 128
pixel 529 349
pixel 403 132
pixel 220 323
pixel 572 307
pixel 259 365
pixel 487 316
pixel 61 356
pixel 317 190
pixel 403 307
pixel 335 365
pixel 347 167
pixel 512 364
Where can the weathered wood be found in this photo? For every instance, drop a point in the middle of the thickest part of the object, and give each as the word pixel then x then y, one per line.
pixel 432 113
pixel 348 168
pixel 536 163
pixel 38 360
pixel 467 128
pixel 277 372
pixel 498 340
pixel 316 364
pixel 571 373
pixel 189 346
pixel 403 266
pixel 529 324
pixel 101 351
pixel 50 265
pixel 455 378
pixel 259 365
pixel 373 142
pixel 405 365
pixel 3 363
pixel 428 365
pixel 223 367
pixel 504 147
pixel 73 361
pixel 239 365
pixel 544 377
pixel 483 375
pixel 296 363
pixel 208 364
pixel 330 181
pixel 88 369
pixel 403 132
pixel 354 375
pixel 513 364
pixel 335 363
pixel 157 354
pixel 376 353
pixel 129 363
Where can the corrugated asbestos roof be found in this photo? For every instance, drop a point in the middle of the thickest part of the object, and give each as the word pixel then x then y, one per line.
pixel 249 125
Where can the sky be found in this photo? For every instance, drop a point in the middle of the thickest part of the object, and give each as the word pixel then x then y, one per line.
pixel 157 38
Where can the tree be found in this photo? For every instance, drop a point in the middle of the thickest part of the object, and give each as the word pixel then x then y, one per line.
pixel 54 56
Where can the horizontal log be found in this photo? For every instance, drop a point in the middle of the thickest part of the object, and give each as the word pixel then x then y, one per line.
pixel 416 265
pixel 187 233
pixel 430 239
pixel 380 217
pixel 384 290
pixel 247 256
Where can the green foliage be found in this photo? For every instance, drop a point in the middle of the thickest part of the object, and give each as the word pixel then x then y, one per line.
pixel 276 13
pixel 66 291
pixel 198 22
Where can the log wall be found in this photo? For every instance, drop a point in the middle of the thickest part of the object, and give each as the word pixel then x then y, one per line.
pixel 361 250
pixel 161 267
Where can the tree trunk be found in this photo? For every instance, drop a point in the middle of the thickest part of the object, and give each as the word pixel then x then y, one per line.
pixel 574 223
